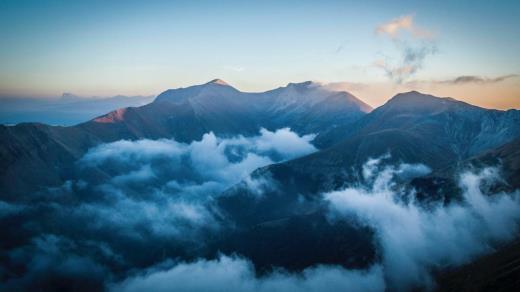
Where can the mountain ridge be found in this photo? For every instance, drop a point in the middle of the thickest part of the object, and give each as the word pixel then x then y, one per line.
pixel 195 111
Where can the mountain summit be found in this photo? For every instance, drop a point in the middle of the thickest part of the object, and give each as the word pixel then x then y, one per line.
pixel 219 82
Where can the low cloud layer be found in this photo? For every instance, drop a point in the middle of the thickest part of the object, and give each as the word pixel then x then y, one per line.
pixel 139 216
pixel 132 205
pixel 165 186
pixel 415 239
pixel 237 274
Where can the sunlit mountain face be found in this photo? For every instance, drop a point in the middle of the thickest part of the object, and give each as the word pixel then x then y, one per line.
pixel 398 171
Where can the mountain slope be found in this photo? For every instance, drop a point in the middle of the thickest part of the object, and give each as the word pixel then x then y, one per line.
pixel 398 128
pixel 411 127
pixel 187 113
pixel 464 128
pixel 414 128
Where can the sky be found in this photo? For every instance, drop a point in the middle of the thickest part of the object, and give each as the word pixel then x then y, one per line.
pixel 464 49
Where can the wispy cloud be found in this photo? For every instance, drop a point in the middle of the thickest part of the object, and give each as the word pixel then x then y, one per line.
pixel 348 86
pixel 414 48
pixel 341 47
pixel 465 79
pixel 393 27
pixel 416 239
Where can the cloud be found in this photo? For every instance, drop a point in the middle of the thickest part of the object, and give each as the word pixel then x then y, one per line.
pixel 285 142
pixel 141 175
pixel 8 209
pixel 137 203
pixel 393 28
pixel 465 79
pixel 415 239
pixel 133 151
pixel 163 187
pixel 413 50
pixel 237 274
pixel 148 221
pixel 348 86
pixel 411 61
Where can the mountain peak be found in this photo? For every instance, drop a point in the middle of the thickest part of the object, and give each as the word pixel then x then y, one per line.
pixel 305 84
pixel 413 97
pixel 414 100
pixel 219 82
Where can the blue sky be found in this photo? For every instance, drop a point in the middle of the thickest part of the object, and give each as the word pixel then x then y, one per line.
pixel 144 47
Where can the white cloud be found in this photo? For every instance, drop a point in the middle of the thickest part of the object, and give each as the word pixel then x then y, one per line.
pixel 415 239
pixel 164 187
pixel 133 150
pixel 285 142
pixel 406 23
pixel 236 274
pixel 141 175
pixel 413 49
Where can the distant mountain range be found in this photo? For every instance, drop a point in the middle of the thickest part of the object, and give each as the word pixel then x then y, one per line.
pixel 69 109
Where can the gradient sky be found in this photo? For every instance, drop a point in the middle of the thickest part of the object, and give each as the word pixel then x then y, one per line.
pixel 145 47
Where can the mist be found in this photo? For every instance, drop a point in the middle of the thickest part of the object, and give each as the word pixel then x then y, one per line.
pixel 131 205
pixel 237 274
pixel 416 240
pixel 147 217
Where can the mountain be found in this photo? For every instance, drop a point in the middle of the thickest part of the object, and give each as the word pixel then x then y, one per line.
pixel 310 106
pixel 185 114
pixel 412 127
pixel 46 154
pixel 465 129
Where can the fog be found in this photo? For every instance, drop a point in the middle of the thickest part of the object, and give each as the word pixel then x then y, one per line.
pixel 140 214
pixel 237 274
pixel 416 239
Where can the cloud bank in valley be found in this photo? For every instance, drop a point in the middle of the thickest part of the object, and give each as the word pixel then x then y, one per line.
pixel 415 239
pixel 165 186
pixel 237 274
pixel 137 202
pixel 145 223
